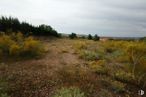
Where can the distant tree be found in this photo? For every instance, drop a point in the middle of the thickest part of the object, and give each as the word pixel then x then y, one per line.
pixel 90 37
pixel 96 37
pixel 143 39
pixel 73 35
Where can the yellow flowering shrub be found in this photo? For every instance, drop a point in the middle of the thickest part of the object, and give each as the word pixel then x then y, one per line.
pixel 17 45
pixel 32 47
pixel 18 37
pixel 99 67
pixel 14 49
pixel 5 43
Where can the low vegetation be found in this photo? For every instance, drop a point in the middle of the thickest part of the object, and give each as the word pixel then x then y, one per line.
pixel 16 45
pixel 122 61
pixel 69 92
pixel 71 67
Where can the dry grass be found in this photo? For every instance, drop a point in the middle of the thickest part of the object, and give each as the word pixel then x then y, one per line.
pixel 62 67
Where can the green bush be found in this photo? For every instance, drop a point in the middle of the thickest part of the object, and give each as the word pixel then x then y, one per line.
pixel 99 67
pixel 69 92
pixel 72 36
pixel 88 55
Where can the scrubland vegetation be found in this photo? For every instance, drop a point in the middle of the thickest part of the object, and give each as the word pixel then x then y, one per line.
pixel 32 66
pixel 71 68
pixel 122 62
pixel 17 46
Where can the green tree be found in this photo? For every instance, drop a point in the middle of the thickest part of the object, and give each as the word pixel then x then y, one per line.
pixel 96 37
pixel 9 25
pixel 90 37
pixel 73 35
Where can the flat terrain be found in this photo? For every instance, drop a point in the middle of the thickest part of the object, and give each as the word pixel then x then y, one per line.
pixel 62 65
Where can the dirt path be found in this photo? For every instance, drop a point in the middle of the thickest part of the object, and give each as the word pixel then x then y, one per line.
pixel 42 73
pixel 60 53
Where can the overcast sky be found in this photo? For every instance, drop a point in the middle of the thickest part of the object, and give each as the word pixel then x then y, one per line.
pixel 102 17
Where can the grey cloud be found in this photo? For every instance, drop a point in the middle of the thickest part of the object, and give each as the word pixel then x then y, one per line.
pixel 104 17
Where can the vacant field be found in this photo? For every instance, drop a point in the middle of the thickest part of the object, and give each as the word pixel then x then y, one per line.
pixel 79 67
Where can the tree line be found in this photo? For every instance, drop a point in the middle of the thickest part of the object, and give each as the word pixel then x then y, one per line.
pixel 10 24
pixel 90 37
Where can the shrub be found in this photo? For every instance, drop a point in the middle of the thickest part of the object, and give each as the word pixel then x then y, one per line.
pixel 18 45
pixel 117 87
pixel 124 76
pixel 88 55
pixel 15 50
pixel 122 58
pixel 5 43
pixel 69 92
pixel 136 53
pixel 80 45
pixel 109 47
pixel 32 47
pixel 99 67
pixel 137 57
pixel 18 37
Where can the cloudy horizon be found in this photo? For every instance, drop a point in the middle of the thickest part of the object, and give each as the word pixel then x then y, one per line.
pixel 121 18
